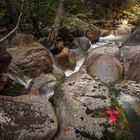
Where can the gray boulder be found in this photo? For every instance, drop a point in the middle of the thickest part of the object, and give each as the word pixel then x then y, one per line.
pixel 26 118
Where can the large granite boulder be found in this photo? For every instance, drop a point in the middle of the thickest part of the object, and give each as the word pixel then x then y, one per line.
pixel 104 63
pixel 26 118
pixel 81 103
pixel 107 68
pixel 131 56
pixel 31 61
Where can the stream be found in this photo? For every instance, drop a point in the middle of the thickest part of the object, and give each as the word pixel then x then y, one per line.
pixel 131 104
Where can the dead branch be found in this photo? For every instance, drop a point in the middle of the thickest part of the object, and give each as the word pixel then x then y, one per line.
pixel 18 21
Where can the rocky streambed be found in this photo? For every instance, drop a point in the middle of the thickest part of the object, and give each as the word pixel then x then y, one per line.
pixel 80 93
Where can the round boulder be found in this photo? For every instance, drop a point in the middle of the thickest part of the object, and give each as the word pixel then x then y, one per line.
pixel 105 67
pixel 31 61
pixel 26 118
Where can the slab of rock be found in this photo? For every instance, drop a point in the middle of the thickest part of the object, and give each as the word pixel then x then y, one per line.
pixel 26 118
pixel 81 103
pixel 31 61
pixel 105 67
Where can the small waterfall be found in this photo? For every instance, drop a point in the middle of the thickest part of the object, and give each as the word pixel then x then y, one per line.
pixel 79 63
pixel 25 81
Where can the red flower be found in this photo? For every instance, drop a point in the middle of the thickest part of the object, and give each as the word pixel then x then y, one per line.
pixel 112 115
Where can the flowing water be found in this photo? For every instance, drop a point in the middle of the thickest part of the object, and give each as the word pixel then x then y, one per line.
pixel 132 107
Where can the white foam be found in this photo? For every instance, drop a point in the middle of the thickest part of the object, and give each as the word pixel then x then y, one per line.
pixel 125 98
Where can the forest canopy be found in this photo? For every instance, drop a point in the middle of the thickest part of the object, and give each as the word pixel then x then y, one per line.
pixel 41 13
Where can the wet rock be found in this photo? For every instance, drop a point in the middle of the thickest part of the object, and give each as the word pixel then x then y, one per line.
pixel 22 40
pixel 26 117
pixel 84 43
pixel 105 67
pixel 80 103
pixel 45 84
pixel 66 59
pixel 93 35
pixel 31 61
pixel 59 74
pixel 131 56
pixel 133 39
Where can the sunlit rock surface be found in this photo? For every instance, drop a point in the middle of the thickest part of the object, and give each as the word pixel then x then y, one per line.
pixel 30 61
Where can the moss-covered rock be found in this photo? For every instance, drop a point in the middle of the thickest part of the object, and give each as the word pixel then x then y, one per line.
pixel 81 103
pixel 13 89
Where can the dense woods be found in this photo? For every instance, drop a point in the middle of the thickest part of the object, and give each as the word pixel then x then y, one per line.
pixel 41 13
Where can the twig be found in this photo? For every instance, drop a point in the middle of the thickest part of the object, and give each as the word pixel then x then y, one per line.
pixel 18 21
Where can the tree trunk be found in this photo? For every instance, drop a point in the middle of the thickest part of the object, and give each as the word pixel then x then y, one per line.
pixel 53 35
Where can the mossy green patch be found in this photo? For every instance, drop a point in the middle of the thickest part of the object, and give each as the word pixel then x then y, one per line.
pixel 121 125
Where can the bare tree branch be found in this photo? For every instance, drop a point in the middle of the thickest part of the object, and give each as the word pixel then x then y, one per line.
pixel 18 21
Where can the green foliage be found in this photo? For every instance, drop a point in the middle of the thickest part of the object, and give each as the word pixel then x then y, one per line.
pixel 133 14
pixel 2 12
pixel 43 10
